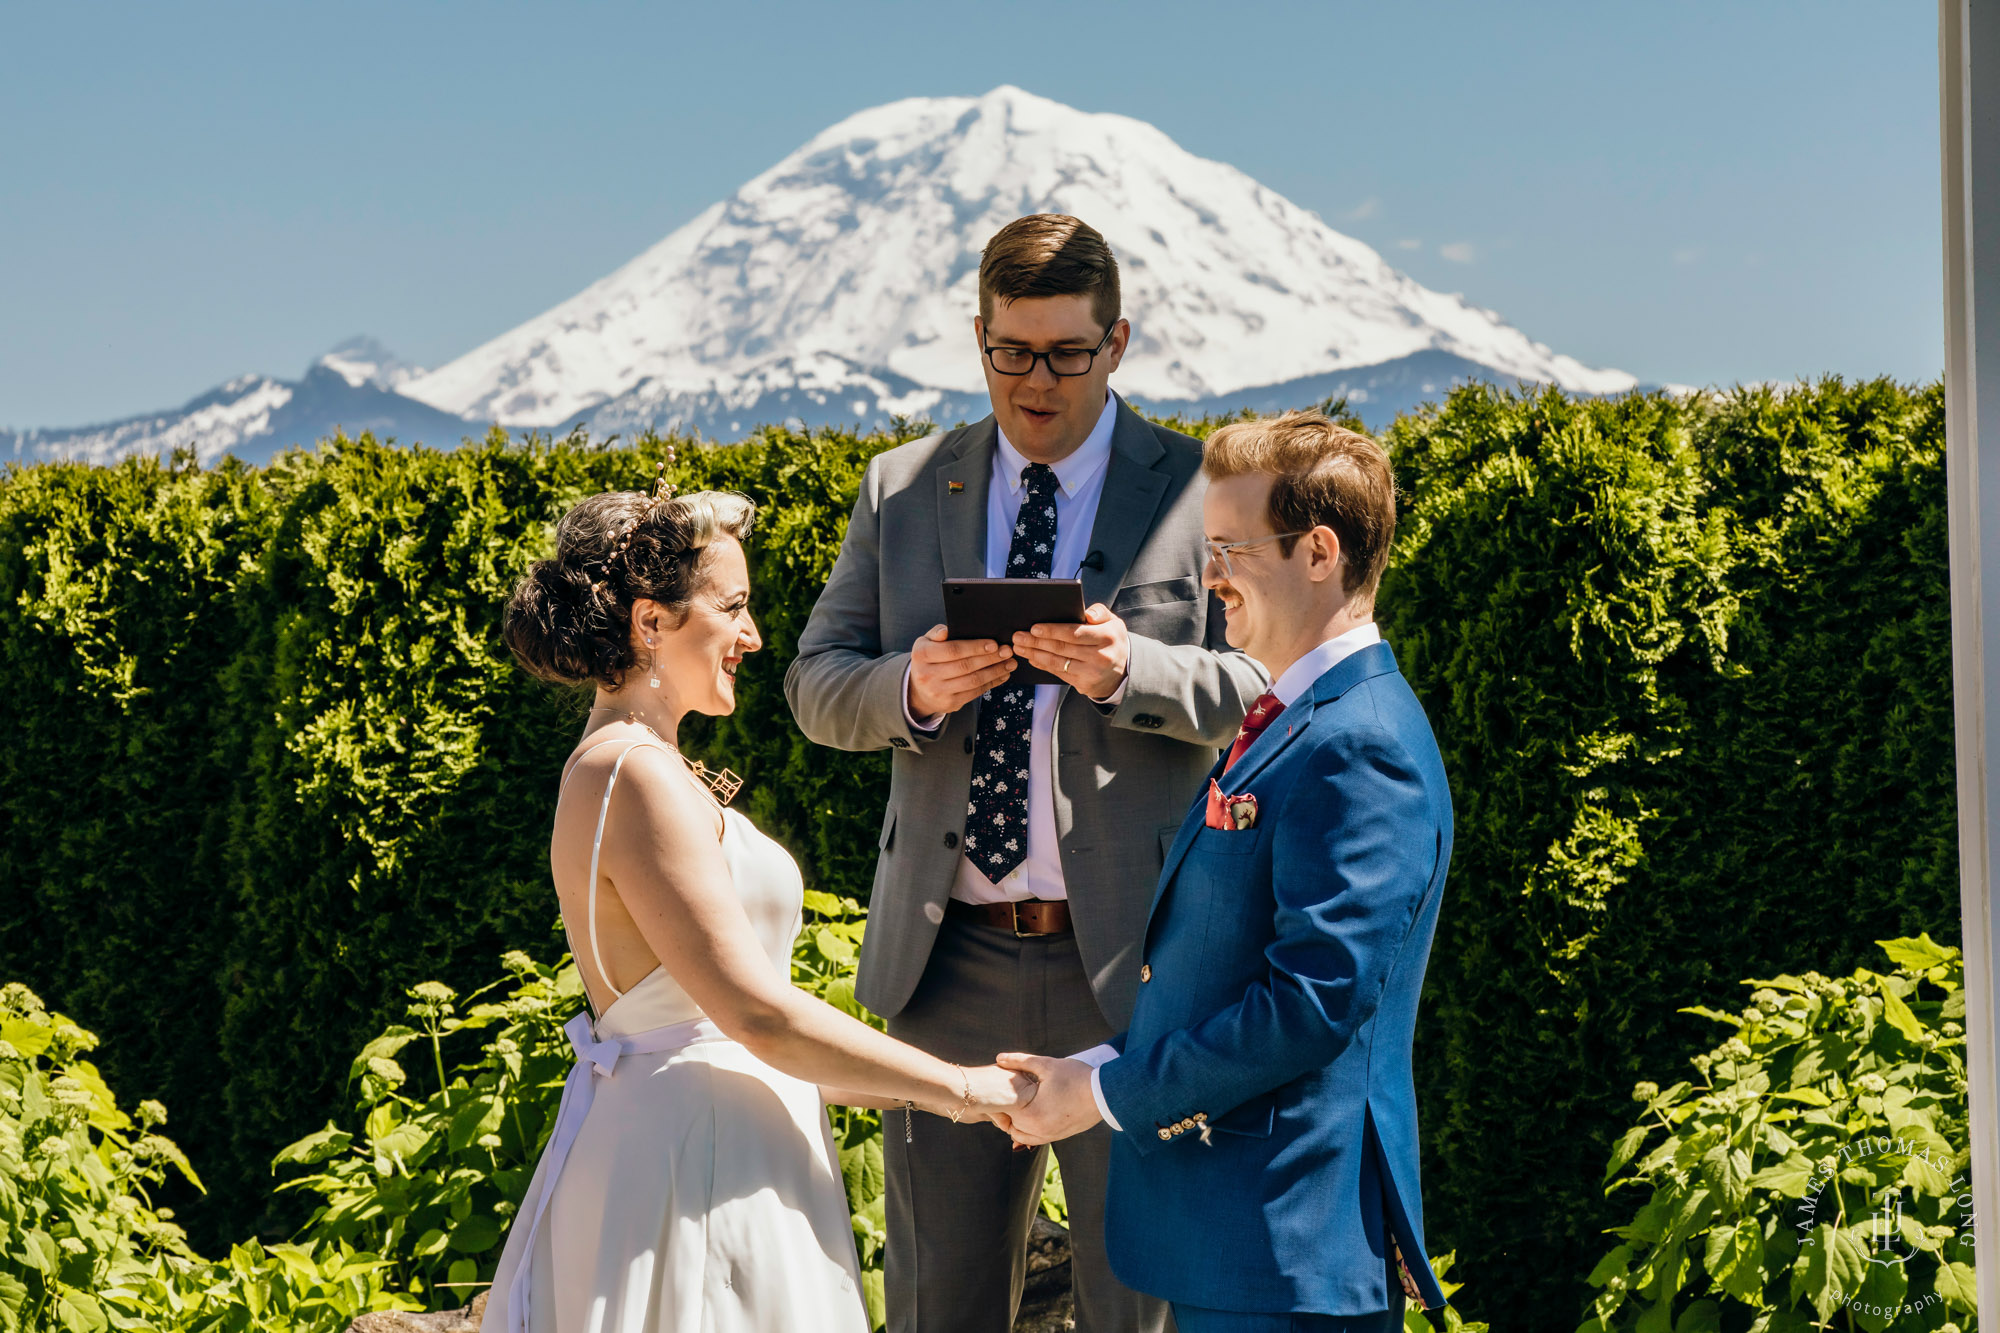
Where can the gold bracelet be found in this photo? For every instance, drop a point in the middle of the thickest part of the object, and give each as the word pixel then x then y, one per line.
pixel 965 1103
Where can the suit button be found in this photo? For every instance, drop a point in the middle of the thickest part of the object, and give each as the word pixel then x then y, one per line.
pixel 1145 972
pixel 1166 1133
pixel 899 742
pixel 968 745
pixel 951 840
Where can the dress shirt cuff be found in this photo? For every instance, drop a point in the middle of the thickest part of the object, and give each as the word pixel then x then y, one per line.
pixel 1097 1095
pixel 1097 1057
pixel 932 723
pixel 1116 696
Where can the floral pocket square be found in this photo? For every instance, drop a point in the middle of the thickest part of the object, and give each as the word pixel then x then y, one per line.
pixel 1233 813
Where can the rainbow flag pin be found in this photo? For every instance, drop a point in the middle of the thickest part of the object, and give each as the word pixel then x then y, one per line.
pixel 955 486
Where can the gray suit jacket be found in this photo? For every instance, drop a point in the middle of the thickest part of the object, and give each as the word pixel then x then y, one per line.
pixel 1123 775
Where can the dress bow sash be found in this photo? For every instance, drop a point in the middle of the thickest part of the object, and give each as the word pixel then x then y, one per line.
pixel 600 1057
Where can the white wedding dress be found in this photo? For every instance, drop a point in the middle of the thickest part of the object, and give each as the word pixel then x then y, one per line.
pixel 688 1187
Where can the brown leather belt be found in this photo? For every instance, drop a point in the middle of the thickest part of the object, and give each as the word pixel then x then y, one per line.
pixel 1029 916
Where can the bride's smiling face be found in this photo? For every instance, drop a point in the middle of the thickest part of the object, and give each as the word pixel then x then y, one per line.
pixel 697 658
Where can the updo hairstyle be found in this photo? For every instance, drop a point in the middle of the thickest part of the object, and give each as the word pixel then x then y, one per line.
pixel 570 620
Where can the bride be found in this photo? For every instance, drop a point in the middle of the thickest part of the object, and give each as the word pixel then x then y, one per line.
pixel 690 1184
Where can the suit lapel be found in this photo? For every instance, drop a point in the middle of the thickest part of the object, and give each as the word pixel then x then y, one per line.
pixel 962 512
pixel 1344 675
pixel 1125 509
pixel 1374 660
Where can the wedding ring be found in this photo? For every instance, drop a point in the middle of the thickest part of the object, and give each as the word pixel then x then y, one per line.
pixel 1064 666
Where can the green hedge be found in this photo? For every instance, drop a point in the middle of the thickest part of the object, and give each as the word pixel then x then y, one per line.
pixel 1689 663
pixel 266 760
pixel 266 763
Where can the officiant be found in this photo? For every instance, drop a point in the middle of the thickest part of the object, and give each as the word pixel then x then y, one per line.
pixel 1026 823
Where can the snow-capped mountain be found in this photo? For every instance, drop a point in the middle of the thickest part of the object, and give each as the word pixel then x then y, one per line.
pixel 840 285
pixel 254 416
pixel 363 361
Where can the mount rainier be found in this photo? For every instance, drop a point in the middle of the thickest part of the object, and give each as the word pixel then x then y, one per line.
pixel 839 286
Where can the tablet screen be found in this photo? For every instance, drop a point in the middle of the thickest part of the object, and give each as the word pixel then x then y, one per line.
pixel 997 609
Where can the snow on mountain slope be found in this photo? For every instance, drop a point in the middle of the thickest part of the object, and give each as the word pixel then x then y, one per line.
pixel 254 416
pixel 362 360
pixel 849 272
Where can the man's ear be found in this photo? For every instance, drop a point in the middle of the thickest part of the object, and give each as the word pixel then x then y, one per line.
pixel 1121 337
pixel 979 333
pixel 1325 558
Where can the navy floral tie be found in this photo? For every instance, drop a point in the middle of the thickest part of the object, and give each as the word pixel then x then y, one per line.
pixel 996 824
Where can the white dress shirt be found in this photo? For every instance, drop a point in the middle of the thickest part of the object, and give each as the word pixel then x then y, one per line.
pixel 1296 680
pixel 1079 486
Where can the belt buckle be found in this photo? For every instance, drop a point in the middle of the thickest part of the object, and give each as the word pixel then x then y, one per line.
pixel 1014 910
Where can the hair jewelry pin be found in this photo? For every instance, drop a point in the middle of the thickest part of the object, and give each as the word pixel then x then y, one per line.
pixel 663 491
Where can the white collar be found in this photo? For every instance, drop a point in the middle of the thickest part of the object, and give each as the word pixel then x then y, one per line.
pixel 1300 675
pixel 1079 467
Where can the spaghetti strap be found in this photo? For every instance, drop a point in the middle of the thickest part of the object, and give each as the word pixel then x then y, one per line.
pixel 597 840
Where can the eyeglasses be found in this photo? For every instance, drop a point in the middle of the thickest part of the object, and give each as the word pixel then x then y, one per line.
pixel 1219 551
pixel 1065 362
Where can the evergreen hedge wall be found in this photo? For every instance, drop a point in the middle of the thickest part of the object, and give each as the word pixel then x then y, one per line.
pixel 1690 665
pixel 263 761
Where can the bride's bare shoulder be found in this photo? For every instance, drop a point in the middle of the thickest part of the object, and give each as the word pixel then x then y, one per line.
pixel 652 772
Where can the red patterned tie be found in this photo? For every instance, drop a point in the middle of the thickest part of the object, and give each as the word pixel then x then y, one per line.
pixel 1261 715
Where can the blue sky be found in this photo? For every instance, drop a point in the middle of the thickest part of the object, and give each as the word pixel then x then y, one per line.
pixel 1692 192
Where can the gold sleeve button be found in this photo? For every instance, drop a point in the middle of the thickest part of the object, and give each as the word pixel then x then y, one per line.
pixel 1145 971
pixel 1166 1134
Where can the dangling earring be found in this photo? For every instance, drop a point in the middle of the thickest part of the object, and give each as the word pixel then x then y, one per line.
pixel 653 666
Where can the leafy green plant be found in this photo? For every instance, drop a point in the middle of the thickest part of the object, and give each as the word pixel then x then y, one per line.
pixel 76 1175
pixel 1815 1172
pixel 439 1159
pixel 84 1247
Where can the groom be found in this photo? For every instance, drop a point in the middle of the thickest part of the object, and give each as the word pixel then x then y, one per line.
pixel 1264 1168
pixel 1025 825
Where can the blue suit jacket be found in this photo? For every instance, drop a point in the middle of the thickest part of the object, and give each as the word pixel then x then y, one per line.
pixel 1282 968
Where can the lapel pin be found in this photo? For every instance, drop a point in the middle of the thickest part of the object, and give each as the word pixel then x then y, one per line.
pixel 955 486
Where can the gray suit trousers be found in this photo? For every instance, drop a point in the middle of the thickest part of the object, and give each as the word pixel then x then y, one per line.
pixel 960 1198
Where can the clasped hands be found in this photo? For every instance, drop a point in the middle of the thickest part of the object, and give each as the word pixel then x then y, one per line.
pixel 947 674
pixel 1042 1099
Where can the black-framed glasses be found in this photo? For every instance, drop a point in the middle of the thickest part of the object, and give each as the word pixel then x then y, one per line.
pixel 1064 362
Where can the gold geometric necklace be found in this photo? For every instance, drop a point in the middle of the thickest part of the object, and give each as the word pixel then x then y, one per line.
pixel 724 784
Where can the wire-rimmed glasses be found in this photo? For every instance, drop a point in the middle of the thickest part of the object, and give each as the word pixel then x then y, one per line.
pixel 1219 551
pixel 1063 362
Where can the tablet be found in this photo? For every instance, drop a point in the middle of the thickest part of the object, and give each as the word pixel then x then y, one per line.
pixel 997 608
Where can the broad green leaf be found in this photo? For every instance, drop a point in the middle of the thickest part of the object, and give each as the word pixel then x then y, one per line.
pixel 1700 1317
pixel 475 1235
pixel 1735 1259
pixel 38 1250
pixel 1918 955
pixel 1955 1282
pixel 1808 1096
pixel 315 1148
pixel 474 1117
pixel 1883 1290
pixel 384 1047
pixel 1898 1016
pixel 80 1312
pixel 1702 1010
pixel 30 1039
pixel 1727 1171
pixel 862 1171
pixel 1626 1148
pixel 1831 1267
pixel 1610 1266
